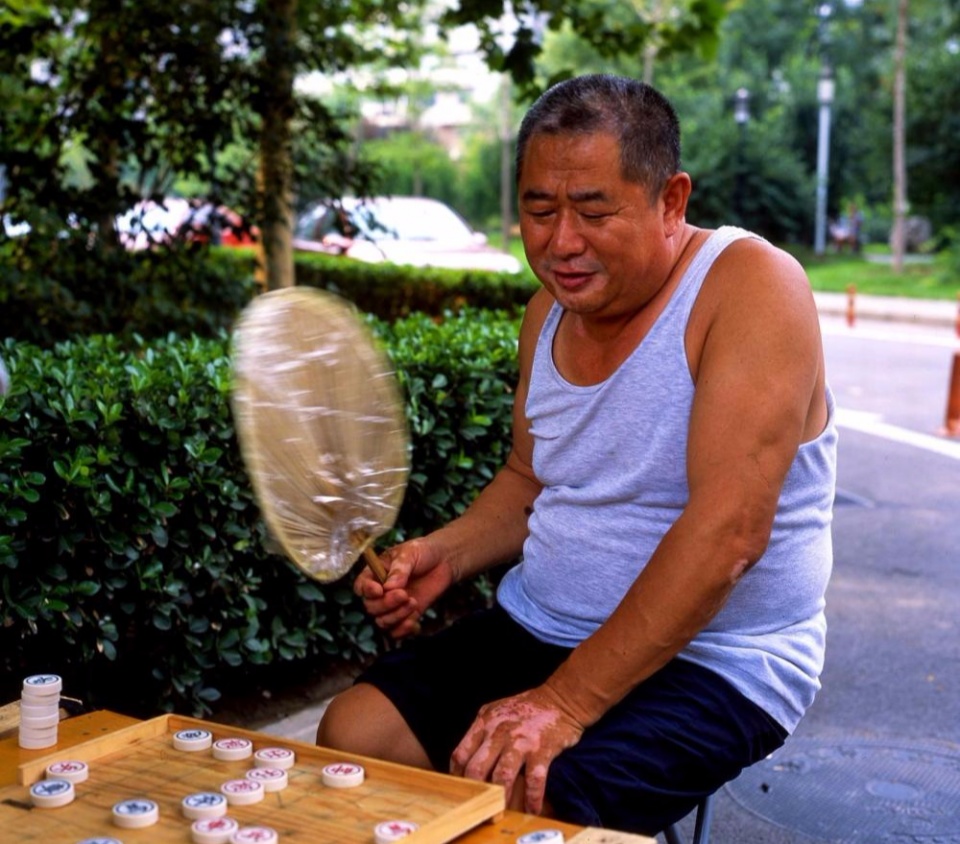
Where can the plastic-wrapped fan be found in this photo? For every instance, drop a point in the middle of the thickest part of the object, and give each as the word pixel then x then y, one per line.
pixel 321 428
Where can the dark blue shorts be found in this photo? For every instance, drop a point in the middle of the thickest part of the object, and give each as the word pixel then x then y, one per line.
pixel 679 735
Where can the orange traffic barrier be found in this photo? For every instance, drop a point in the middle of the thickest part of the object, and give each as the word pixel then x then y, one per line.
pixel 851 304
pixel 952 425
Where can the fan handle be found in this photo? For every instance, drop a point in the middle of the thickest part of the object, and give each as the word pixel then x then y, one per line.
pixel 372 560
pixel 376 566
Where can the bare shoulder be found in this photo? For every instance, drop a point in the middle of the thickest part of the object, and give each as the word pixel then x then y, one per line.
pixel 759 269
pixel 755 296
pixel 754 280
pixel 533 318
pixel 537 308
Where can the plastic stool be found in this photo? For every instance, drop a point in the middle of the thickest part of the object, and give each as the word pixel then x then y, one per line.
pixel 701 830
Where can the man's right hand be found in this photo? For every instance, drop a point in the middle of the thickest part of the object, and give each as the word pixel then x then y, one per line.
pixel 417 574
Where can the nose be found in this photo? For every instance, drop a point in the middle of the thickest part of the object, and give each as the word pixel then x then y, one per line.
pixel 566 239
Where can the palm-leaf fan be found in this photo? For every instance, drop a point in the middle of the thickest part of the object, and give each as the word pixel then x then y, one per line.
pixel 321 428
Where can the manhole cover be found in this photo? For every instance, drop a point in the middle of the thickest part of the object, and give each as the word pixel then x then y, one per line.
pixel 856 791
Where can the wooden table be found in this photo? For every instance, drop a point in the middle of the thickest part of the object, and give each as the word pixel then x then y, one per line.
pixel 93 725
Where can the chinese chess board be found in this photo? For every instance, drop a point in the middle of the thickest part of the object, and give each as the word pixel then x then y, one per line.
pixel 141 761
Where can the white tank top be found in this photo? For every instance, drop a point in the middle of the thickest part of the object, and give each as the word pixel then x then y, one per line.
pixel 612 461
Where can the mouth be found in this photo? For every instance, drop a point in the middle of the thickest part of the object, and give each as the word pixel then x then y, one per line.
pixel 571 280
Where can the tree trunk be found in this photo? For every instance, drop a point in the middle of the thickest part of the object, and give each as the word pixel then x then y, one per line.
pixel 899 138
pixel 653 13
pixel 104 143
pixel 506 170
pixel 276 159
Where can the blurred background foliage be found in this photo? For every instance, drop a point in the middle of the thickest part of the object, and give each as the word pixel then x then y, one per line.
pixel 102 103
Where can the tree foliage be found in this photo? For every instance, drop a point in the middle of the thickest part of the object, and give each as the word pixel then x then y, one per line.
pixel 103 102
pixel 134 91
pixel 107 101
pixel 776 49
pixel 409 164
pixel 611 30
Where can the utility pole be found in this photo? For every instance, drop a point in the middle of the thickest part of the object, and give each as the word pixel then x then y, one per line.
pixel 825 92
pixel 741 114
pixel 898 238
pixel 825 89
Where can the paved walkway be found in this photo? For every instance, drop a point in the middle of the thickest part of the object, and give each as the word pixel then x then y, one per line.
pixel 301 726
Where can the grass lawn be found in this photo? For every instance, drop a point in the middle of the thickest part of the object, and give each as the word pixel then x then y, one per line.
pixel 873 273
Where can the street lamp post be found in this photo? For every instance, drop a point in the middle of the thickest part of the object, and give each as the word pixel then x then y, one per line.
pixel 825 91
pixel 741 114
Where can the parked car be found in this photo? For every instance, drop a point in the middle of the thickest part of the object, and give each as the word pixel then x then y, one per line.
pixel 400 229
pixel 149 223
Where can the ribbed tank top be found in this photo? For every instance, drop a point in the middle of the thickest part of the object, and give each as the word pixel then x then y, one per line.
pixel 612 461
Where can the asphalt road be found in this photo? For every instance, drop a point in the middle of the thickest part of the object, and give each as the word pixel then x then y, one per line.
pixel 877 757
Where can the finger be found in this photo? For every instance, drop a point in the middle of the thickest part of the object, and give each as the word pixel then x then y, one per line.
pixel 535 783
pixel 392 610
pixel 391 607
pixel 507 769
pixel 399 567
pixel 410 626
pixel 465 751
pixel 367 586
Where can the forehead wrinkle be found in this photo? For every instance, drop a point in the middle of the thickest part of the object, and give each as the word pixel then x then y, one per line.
pixel 585 195
pixel 588 195
pixel 533 194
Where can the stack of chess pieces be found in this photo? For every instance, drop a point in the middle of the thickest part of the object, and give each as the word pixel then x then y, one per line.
pixel 40 711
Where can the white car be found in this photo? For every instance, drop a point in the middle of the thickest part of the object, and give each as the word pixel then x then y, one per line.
pixel 400 229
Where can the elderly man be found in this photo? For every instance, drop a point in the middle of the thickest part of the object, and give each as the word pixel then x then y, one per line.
pixel 669 494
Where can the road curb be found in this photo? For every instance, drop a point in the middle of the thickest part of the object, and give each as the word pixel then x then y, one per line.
pixel 933 312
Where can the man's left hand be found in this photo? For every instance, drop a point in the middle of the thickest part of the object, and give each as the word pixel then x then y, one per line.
pixel 524 733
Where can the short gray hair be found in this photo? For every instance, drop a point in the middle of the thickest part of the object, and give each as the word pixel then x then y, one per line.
pixel 639 116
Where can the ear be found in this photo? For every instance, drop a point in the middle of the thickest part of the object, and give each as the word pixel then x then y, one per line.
pixel 674 197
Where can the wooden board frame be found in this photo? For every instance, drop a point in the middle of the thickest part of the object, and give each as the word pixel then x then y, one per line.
pixel 140 761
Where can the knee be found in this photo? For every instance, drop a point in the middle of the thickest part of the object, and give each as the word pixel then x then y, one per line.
pixel 337 724
pixel 362 721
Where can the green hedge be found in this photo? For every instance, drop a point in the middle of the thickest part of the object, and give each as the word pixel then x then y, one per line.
pixel 133 559
pixel 391 291
pixel 53 292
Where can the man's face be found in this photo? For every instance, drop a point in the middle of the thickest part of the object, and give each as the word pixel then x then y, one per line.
pixel 593 239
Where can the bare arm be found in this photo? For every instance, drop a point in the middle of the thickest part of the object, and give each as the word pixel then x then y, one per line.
pixel 494 527
pixel 490 532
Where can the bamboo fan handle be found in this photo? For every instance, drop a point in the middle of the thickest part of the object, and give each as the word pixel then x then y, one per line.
pixel 374 562
pixel 376 566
